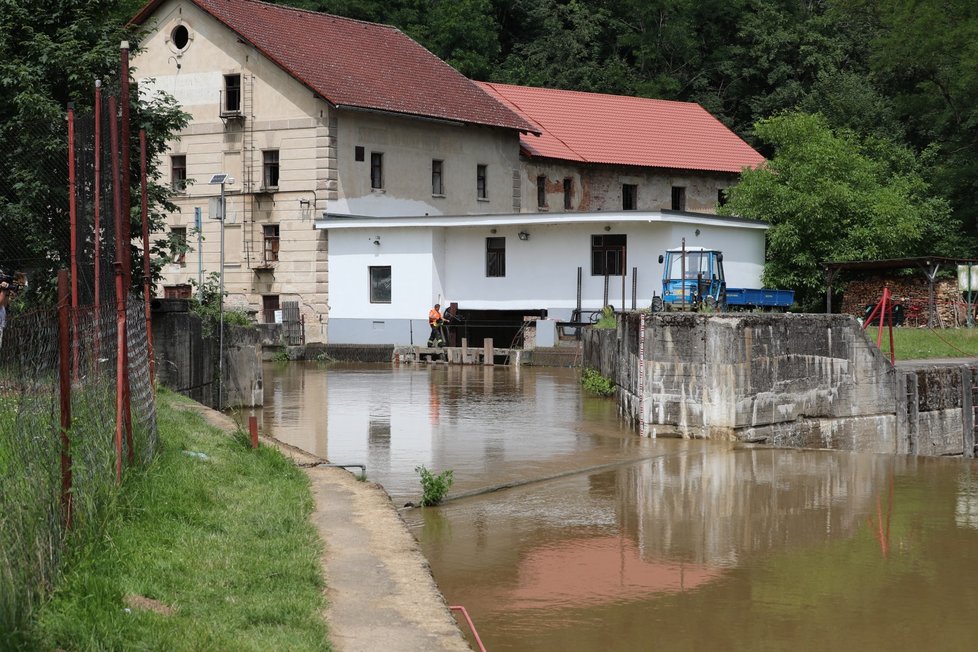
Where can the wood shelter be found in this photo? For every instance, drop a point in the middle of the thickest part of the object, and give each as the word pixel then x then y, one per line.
pixel 930 266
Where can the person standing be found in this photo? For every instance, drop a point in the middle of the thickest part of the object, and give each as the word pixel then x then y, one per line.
pixel 434 320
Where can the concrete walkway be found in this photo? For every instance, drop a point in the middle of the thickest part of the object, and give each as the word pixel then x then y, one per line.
pixel 379 588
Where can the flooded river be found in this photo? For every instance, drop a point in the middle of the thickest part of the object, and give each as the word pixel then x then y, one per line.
pixel 565 531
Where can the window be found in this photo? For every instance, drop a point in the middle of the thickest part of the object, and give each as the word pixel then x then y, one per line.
pixel 678 198
pixel 178 245
pixel 541 191
pixel 269 304
pixel 629 197
pixel 482 192
pixel 568 187
pixel 377 170
pixel 180 37
pixel 380 284
pixel 178 173
pixel 721 197
pixel 270 234
pixel 269 160
pixel 495 257
pixel 358 153
pixel 232 94
pixel 608 254
pixel 437 179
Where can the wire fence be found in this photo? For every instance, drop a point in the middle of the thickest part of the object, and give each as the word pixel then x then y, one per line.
pixel 76 391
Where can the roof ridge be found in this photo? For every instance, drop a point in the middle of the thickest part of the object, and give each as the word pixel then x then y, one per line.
pixel 599 94
pixel 302 10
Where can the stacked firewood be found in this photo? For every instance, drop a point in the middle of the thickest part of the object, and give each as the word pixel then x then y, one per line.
pixel 912 293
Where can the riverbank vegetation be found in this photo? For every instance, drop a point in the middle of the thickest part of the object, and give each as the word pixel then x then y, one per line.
pixel 210 548
pixel 595 383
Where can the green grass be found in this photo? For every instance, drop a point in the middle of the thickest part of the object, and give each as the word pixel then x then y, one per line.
pixel 225 541
pixel 922 343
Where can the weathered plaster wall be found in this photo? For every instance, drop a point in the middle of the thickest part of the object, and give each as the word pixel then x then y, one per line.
pixel 409 146
pixel 787 380
pixel 598 187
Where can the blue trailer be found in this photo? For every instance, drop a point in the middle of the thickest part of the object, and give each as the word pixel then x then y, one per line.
pixel 693 277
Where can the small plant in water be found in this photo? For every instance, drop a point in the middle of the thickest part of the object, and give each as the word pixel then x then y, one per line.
pixel 281 356
pixel 596 383
pixel 433 487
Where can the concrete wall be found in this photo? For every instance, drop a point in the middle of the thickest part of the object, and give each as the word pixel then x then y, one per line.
pixel 186 360
pixel 813 381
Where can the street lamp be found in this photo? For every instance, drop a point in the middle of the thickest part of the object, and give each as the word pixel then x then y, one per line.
pixel 221 178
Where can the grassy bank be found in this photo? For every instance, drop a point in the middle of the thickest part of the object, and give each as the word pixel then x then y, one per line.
pixel 923 343
pixel 210 549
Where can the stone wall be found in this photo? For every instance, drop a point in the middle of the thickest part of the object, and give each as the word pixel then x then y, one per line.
pixel 814 381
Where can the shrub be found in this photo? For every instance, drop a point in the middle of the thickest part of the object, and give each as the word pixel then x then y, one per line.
pixel 595 383
pixel 433 487
pixel 207 305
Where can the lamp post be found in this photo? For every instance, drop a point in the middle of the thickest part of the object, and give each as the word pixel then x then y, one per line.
pixel 221 178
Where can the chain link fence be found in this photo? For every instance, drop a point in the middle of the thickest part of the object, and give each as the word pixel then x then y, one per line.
pixel 76 396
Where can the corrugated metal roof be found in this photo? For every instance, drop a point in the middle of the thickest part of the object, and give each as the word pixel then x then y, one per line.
pixel 620 130
pixel 357 64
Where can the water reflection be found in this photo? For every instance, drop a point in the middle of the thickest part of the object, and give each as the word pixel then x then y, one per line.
pixel 662 544
pixel 490 425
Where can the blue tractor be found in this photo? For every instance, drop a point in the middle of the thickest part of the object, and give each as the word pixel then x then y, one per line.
pixel 693 277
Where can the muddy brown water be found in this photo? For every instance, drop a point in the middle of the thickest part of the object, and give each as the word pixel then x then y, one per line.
pixel 566 531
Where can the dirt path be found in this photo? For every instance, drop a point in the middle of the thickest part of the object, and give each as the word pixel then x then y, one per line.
pixel 380 592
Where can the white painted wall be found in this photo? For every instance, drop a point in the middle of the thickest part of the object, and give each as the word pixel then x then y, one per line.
pixel 409 254
pixel 432 264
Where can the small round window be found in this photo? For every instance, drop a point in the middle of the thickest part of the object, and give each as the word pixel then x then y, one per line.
pixel 180 36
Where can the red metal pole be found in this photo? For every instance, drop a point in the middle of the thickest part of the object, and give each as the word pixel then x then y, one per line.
pixel 465 613
pixel 120 403
pixel 147 270
pixel 116 182
pixel 126 203
pixel 253 427
pixel 97 236
pixel 126 225
pixel 889 321
pixel 64 377
pixel 73 228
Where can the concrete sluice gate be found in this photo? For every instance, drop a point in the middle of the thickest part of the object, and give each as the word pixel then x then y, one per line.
pixel 793 380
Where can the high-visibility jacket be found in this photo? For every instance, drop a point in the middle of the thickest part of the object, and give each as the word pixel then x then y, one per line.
pixel 433 317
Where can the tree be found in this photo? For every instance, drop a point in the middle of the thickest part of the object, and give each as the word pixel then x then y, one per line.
pixel 927 56
pixel 832 195
pixel 47 59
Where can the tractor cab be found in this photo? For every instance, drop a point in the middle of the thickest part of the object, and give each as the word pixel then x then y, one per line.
pixel 690 277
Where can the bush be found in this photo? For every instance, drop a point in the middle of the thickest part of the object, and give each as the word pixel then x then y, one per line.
pixel 433 487
pixel 596 383
pixel 207 305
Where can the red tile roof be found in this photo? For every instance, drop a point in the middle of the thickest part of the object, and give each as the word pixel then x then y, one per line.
pixel 613 129
pixel 357 64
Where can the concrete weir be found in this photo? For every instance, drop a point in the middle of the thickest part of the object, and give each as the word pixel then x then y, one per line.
pixel 794 380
